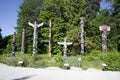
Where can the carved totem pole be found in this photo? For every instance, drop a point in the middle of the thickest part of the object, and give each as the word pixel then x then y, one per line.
pixel 35 35
pixel 104 29
pixel 65 46
pixel 13 44
pixel 82 35
pixel 50 25
pixel 23 42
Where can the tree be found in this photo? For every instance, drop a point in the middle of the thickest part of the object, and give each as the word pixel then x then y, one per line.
pixel 115 30
pixel 5 41
pixel 51 9
pixel 29 11
pixel 0 38
pixel 65 15
pixel 1 41
pixel 102 18
pixel 116 19
pixel 73 10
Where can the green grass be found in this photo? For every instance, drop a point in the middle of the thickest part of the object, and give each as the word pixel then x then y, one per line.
pixel 93 60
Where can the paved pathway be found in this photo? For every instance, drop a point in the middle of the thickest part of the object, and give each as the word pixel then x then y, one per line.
pixel 53 73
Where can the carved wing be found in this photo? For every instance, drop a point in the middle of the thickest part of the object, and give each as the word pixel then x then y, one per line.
pixel 69 43
pixel 40 24
pixel 31 24
pixel 61 43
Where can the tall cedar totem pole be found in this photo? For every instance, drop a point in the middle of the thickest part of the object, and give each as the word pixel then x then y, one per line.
pixel 104 29
pixel 13 44
pixel 65 46
pixel 50 25
pixel 35 35
pixel 82 35
pixel 23 42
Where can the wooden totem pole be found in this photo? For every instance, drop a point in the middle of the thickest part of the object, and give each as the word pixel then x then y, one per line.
pixel 65 46
pixel 104 29
pixel 13 44
pixel 50 49
pixel 35 35
pixel 23 42
pixel 82 35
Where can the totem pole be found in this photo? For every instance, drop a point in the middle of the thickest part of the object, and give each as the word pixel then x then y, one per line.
pixel 65 46
pixel 50 25
pixel 104 29
pixel 13 44
pixel 82 35
pixel 35 35
pixel 23 42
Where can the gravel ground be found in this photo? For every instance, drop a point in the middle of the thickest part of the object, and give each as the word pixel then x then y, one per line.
pixel 54 73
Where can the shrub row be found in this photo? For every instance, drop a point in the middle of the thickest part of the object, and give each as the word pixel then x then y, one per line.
pixel 94 60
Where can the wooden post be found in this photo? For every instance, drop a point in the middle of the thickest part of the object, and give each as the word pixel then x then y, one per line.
pixel 13 44
pixel 50 25
pixel 23 42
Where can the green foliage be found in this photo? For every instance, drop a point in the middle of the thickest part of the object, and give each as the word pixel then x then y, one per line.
pixel 6 41
pixel 59 58
pixel 91 62
pixel 113 22
pixel 96 53
pixel 11 61
pixel 8 49
pixel 72 61
pixel 115 18
pixel 28 12
pixel 1 42
pixel 3 58
pixel 36 61
pixel 1 51
pixel 65 16
pixel 112 60
pixel 94 60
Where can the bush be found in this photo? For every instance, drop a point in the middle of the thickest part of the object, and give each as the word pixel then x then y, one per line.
pixel 1 51
pixel 3 58
pixel 112 60
pixel 72 61
pixel 96 53
pixel 58 58
pixel 90 62
pixel 94 60
pixel 12 61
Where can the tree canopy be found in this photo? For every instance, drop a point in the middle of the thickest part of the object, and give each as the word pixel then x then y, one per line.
pixel 65 15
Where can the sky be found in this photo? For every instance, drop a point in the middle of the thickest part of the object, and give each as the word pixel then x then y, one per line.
pixel 8 15
pixel 9 12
